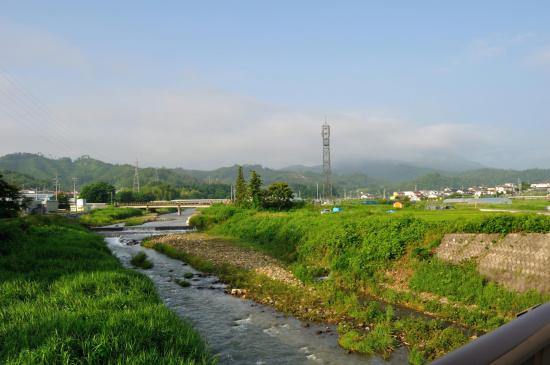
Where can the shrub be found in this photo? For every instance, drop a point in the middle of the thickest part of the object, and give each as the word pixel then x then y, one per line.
pixel 140 260
pixel 183 283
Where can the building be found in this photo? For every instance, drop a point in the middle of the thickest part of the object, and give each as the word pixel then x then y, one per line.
pixel 478 201
pixel 40 203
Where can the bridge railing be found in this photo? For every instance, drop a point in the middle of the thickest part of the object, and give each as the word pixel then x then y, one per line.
pixel 176 203
pixel 523 341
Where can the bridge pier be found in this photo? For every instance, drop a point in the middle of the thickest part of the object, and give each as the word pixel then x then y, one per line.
pixel 179 209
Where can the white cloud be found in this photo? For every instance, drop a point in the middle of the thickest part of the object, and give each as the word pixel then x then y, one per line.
pixel 23 46
pixel 487 48
pixel 209 129
pixel 540 57
pixel 495 46
pixel 201 127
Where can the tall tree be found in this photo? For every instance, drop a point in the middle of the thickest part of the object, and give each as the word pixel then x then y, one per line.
pixel 279 196
pixel 97 193
pixel 255 189
pixel 10 199
pixel 241 191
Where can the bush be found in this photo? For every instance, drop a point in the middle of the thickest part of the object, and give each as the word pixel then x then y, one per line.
pixel 183 283
pixel 140 260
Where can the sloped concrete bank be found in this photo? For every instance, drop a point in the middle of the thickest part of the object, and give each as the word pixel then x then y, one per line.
pixel 519 261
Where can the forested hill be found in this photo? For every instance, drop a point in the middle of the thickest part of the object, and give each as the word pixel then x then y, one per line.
pixel 33 169
pixel 37 170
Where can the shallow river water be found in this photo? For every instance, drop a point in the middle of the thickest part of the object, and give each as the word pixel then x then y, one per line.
pixel 239 331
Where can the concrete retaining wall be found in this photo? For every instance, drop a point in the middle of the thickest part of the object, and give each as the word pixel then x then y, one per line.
pixel 517 261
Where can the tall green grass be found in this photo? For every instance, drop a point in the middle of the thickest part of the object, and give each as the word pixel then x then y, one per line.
pixel 462 283
pixel 64 299
pixel 109 215
pixel 357 246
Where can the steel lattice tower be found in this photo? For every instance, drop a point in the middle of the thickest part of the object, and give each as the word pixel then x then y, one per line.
pixel 327 185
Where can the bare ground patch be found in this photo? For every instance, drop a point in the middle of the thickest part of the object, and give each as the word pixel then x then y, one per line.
pixel 219 251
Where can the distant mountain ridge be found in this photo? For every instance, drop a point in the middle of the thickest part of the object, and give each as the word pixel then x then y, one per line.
pixel 33 169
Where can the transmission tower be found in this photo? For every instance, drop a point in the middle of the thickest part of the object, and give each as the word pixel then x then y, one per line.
pixel 327 185
pixel 136 178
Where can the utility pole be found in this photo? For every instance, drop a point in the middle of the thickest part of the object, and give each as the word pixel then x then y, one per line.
pixel 75 179
pixel 135 188
pixel 157 175
pixel 56 182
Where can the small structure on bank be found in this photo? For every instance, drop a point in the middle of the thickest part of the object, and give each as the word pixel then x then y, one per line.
pixel 398 205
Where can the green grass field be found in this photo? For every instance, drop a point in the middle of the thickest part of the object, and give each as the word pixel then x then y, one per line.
pixel 64 299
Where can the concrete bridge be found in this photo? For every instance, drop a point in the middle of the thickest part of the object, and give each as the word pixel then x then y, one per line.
pixel 179 204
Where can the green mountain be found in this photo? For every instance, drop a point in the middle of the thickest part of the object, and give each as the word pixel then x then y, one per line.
pixel 36 170
pixel 86 169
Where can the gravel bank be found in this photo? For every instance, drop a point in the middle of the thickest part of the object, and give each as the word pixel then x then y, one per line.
pixel 220 251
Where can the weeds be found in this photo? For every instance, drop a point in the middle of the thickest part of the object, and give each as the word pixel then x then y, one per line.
pixel 183 283
pixel 140 260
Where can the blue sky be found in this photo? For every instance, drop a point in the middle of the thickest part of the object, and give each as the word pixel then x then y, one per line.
pixel 217 83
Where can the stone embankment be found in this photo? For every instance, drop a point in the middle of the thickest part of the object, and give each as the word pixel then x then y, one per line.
pixel 219 252
pixel 517 261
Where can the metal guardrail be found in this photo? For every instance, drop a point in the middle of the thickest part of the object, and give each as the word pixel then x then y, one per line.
pixel 523 341
pixel 175 203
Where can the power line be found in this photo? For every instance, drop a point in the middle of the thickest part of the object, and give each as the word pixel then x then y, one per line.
pixel 35 108
pixel 38 130
pixel 35 116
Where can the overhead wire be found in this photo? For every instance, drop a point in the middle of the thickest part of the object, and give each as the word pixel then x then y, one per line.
pixel 35 108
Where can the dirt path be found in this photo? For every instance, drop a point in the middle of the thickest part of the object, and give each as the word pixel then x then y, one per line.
pixel 220 251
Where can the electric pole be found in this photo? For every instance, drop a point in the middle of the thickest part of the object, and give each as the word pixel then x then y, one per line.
pixel 135 188
pixel 56 182
pixel 75 179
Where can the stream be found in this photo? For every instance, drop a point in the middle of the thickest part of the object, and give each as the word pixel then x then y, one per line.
pixel 237 331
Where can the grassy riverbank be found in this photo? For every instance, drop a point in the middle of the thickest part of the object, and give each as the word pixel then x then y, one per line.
pixel 65 299
pixel 369 253
pixel 367 327
pixel 112 215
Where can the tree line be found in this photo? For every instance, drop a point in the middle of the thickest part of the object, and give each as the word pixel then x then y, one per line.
pixel 103 192
pixel 278 195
